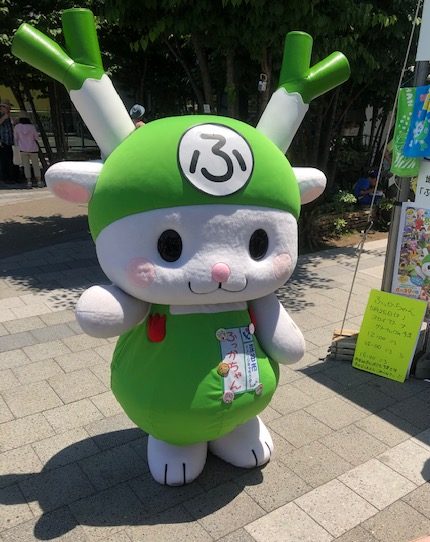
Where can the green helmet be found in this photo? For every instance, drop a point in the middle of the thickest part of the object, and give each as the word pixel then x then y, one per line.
pixel 192 160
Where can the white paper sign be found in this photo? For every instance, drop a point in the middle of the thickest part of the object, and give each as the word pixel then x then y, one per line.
pixel 238 353
pixel 423 50
pixel 422 195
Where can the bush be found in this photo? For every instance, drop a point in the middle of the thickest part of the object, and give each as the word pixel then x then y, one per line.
pixel 344 201
pixel 340 227
pixel 335 217
pixel 384 215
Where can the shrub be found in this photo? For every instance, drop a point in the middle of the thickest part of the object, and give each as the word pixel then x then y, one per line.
pixel 344 200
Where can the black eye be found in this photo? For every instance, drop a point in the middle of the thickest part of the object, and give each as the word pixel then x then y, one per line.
pixel 170 245
pixel 258 244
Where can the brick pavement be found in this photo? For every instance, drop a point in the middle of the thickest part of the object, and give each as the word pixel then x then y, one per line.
pixel 352 449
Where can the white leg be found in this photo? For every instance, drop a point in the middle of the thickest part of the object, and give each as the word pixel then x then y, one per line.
pixel 247 446
pixel 175 465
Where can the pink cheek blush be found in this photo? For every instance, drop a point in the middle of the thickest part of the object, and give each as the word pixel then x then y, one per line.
pixel 141 272
pixel 71 192
pixel 282 266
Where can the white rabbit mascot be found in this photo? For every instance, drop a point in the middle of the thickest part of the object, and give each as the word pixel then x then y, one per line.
pixel 195 223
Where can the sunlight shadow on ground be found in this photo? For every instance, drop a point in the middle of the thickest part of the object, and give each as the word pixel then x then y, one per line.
pixel 117 488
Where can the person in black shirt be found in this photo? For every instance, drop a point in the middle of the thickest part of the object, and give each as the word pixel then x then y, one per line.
pixel 6 142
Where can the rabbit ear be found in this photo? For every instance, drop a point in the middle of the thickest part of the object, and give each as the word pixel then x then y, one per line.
pixel 73 181
pixel 312 183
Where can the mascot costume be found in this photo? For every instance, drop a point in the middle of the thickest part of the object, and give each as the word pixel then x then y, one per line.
pixel 194 219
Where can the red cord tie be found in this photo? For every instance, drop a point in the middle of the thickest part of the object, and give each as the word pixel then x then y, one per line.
pixel 156 328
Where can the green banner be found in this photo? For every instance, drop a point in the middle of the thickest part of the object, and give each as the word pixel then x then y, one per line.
pixel 401 165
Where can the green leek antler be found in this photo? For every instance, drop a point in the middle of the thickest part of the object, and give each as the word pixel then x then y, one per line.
pixel 298 85
pixel 79 68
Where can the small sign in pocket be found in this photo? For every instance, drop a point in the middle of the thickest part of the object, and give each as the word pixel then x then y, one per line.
pixel 239 355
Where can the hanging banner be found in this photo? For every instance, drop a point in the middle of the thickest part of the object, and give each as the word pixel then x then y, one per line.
pixel 388 335
pixel 417 142
pixel 401 165
pixel 411 276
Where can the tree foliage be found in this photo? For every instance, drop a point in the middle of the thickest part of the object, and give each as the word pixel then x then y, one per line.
pixel 177 55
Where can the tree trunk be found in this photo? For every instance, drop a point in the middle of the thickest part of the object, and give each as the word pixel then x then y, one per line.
pixel 332 164
pixel 326 140
pixel 202 61
pixel 180 59
pixel 57 119
pixel 376 143
pixel 372 126
pixel 140 98
pixel 230 88
pixel 348 103
pixel 19 97
pixel 266 68
pixel 316 139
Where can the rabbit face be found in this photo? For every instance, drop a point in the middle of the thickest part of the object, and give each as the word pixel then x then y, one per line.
pixel 201 254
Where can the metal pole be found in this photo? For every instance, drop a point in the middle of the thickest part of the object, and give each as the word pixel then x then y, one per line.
pixel 390 255
pixel 420 78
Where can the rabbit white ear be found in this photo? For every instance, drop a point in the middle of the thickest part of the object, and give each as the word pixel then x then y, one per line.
pixel 73 181
pixel 311 181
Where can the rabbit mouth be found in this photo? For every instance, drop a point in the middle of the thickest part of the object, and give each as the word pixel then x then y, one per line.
pixel 219 287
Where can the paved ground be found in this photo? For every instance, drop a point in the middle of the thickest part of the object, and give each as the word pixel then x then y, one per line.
pixel 352 450
pixel 35 218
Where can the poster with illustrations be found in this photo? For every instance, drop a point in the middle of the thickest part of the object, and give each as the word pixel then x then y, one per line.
pixel 412 265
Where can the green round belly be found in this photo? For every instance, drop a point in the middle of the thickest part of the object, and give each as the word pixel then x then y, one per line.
pixel 172 390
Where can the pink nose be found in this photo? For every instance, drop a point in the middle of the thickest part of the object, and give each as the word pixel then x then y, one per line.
pixel 220 272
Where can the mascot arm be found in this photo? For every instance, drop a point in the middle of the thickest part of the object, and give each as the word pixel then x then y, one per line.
pixel 107 311
pixel 278 335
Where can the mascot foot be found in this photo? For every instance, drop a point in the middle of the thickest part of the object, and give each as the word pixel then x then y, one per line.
pixel 175 465
pixel 249 445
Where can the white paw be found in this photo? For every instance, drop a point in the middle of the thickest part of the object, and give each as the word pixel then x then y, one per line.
pixel 175 465
pixel 249 445
pixel 107 311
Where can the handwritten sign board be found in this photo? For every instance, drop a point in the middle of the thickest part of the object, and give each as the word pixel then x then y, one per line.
pixel 388 335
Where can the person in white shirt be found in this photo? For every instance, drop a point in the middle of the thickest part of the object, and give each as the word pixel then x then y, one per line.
pixel 26 135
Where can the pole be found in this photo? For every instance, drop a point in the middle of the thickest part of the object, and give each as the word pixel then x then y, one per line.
pixel 422 359
pixel 420 78
pixel 390 255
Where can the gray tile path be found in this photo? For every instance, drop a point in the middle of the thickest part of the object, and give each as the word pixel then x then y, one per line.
pixel 352 459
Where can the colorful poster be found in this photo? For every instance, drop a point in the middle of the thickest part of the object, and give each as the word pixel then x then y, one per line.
pixel 401 165
pixel 417 142
pixel 411 277
pixel 388 335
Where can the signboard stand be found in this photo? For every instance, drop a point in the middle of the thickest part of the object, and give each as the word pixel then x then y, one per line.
pixel 422 359
pixel 389 335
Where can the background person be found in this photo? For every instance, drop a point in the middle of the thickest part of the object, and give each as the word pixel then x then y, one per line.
pixel 26 138
pixel 7 173
pixel 364 188
pixel 136 114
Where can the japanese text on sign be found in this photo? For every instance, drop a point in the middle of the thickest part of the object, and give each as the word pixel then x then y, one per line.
pixel 238 352
pixel 388 335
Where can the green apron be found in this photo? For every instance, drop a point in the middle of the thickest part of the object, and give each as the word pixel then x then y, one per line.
pixel 174 390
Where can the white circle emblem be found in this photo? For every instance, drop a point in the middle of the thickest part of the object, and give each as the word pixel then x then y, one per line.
pixel 215 159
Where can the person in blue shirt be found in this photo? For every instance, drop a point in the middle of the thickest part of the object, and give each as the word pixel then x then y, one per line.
pixel 364 188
